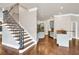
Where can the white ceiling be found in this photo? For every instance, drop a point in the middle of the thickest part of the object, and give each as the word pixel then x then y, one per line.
pixel 46 10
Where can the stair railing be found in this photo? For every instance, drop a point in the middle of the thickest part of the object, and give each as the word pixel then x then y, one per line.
pixel 7 18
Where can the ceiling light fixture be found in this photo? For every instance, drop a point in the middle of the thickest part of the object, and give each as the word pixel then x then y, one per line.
pixel 61 7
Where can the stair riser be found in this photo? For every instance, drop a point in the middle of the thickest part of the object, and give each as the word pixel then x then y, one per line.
pixel 18 38
pixel 14 27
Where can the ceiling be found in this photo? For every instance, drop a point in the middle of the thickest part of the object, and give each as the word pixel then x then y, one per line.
pixel 47 10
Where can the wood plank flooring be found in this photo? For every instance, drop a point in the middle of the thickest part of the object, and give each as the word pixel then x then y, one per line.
pixel 47 46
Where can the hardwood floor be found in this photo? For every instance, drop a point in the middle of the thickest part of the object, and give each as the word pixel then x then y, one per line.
pixel 0 46
pixel 47 46
pixel 2 51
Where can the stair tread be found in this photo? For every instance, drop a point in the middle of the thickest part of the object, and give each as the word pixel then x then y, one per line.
pixel 14 30
pixel 23 50
pixel 17 32
pixel 18 36
pixel 25 46
pixel 27 40
pixel 9 24
pixel 24 38
pixel 12 27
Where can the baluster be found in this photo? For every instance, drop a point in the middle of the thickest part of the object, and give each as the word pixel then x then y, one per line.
pixel 21 38
pixel 5 15
pixel 9 19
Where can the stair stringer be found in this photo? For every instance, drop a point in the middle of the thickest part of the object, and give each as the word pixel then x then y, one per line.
pixel 8 39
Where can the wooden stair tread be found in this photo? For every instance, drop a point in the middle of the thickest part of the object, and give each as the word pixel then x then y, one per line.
pixel 14 29
pixel 18 35
pixel 28 45
pixel 27 40
pixel 11 22
pixel 10 25
pixel 24 38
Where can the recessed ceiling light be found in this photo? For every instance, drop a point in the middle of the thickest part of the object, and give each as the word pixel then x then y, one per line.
pixel 61 7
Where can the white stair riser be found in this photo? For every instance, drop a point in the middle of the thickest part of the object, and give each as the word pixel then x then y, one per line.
pixel 18 34
pixel 22 51
pixel 25 35
pixel 28 42
pixel 24 40
pixel 18 37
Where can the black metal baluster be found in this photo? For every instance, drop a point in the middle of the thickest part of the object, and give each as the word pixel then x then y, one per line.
pixel 21 38
pixel 9 19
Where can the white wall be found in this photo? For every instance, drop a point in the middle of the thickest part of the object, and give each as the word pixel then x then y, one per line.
pixel 65 22
pixel 75 18
pixel 40 34
pixel 46 28
pixel 62 22
pixel 46 25
pixel 8 40
pixel 15 13
pixel 1 15
pixel 28 19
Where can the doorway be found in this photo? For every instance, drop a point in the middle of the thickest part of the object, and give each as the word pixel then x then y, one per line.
pixel 51 32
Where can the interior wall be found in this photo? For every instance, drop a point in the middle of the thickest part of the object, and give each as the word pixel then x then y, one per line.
pixel 76 19
pixel 28 19
pixel 46 28
pixel 40 34
pixel 7 38
pixel 62 23
pixel 1 15
pixel 15 12
pixel 65 23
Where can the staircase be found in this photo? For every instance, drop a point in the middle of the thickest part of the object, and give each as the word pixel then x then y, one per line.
pixel 17 32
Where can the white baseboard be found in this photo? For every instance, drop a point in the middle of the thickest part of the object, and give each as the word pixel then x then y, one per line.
pixel 15 47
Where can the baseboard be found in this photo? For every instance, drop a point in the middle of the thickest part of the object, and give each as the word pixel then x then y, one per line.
pixel 15 47
pixel 27 52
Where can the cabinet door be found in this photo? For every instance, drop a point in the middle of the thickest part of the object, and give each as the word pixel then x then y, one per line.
pixel 63 40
